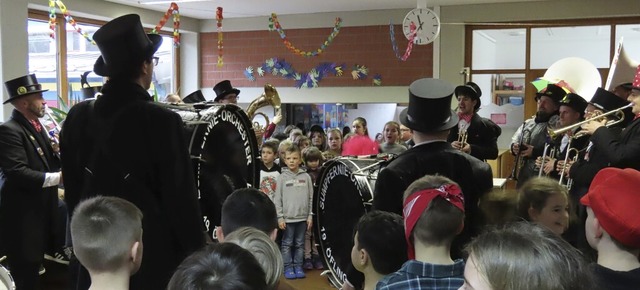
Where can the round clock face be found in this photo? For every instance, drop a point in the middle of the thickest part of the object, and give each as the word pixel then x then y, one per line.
pixel 426 23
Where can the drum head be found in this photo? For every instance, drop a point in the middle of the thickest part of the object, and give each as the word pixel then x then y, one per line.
pixel 6 281
pixel 341 200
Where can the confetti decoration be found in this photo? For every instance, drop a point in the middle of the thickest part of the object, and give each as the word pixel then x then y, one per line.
pixel 274 24
pixel 67 17
pixel 175 11
pixel 219 29
pixel 394 45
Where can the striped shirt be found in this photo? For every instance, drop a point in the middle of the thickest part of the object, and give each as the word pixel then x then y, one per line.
pixel 421 276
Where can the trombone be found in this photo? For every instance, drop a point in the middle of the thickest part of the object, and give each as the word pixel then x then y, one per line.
pixel 617 112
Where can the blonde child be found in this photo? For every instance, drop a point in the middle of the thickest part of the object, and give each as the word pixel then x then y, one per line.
pixel 543 201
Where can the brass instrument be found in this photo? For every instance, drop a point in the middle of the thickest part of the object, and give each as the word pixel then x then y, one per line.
pixel 462 138
pixel 564 166
pixel 552 153
pixel 518 163
pixel 270 97
pixel 618 112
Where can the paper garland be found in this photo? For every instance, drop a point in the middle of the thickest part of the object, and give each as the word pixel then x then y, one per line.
pixel 219 25
pixel 309 79
pixel 67 16
pixel 394 45
pixel 274 24
pixel 175 11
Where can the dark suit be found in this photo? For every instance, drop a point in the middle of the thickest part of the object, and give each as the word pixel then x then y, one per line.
pixel 126 146
pixel 26 208
pixel 473 176
pixel 482 136
pixel 622 153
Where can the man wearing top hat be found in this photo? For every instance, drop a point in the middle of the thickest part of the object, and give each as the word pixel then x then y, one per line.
pixel 29 179
pixel 430 117
pixel 225 93
pixel 482 134
pixel 533 132
pixel 124 145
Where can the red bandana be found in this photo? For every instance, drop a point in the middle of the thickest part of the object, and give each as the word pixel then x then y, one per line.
pixel 418 202
pixel 36 124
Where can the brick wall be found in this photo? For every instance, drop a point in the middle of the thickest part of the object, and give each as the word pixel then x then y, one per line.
pixel 369 46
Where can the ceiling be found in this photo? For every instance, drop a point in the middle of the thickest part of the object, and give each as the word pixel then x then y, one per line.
pixel 206 9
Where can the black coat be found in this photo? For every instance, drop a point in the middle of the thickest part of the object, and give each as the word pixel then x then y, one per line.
pixel 482 136
pixel 26 209
pixel 623 152
pixel 473 176
pixel 583 171
pixel 136 150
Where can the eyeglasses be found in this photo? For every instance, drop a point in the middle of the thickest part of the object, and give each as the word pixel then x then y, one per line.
pixel 155 60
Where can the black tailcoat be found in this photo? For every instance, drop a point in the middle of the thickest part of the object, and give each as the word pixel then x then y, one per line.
pixel 623 152
pixel 482 136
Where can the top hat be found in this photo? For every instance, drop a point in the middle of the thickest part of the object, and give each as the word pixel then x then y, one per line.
pixel 613 197
pixel 606 100
pixel 224 88
pixel 471 90
pixel 22 86
pixel 429 107
pixel 122 41
pixel 575 102
pixel 552 91
pixel 195 97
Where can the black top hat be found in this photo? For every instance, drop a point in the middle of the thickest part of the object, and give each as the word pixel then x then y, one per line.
pixel 90 92
pixel 195 97
pixel 22 86
pixel 224 88
pixel 429 106
pixel 606 100
pixel 471 90
pixel 552 91
pixel 122 41
pixel 575 102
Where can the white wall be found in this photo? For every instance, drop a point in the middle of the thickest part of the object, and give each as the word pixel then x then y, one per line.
pixel 375 114
pixel 13 46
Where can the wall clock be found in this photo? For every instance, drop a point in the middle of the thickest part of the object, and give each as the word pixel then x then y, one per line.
pixel 427 25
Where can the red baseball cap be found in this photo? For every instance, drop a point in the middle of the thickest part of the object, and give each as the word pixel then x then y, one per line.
pixel 614 197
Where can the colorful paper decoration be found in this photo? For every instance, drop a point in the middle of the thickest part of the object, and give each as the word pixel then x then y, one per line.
pixel 394 45
pixel 377 80
pixel 275 25
pixel 219 25
pixel 175 11
pixel 67 17
pixel 280 67
pixel 359 72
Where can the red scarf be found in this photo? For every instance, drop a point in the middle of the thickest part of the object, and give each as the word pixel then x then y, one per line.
pixel 36 124
pixel 466 117
pixel 418 202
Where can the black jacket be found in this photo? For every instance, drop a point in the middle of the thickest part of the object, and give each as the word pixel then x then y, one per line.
pixel 482 136
pixel 136 150
pixel 623 152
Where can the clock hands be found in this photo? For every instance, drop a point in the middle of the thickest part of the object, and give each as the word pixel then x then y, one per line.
pixel 420 23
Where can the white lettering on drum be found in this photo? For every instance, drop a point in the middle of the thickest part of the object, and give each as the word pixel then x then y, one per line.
pixel 338 170
pixel 334 265
pixel 231 117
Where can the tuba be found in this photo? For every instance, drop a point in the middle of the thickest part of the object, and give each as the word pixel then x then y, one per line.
pixel 622 69
pixel 270 97
pixel 581 75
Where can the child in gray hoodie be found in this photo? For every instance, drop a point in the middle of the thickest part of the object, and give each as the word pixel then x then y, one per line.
pixel 293 199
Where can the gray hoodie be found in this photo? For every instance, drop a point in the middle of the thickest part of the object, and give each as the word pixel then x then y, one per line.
pixel 293 196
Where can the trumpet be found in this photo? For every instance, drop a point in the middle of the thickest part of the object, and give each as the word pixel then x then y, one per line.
pixel 517 166
pixel 617 112
pixel 462 138
pixel 564 166
pixel 552 153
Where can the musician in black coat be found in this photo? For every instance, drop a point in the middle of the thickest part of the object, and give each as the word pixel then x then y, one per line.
pixel 29 179
pixel 430 117
pixel 482 134
pixel 124 145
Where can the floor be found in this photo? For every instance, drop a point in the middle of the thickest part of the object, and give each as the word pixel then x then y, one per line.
pixel 313 282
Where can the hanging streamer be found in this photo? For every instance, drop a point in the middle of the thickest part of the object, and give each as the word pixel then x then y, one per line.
pixel 67 17
pixel 274 24
pixel 175 11
pixel 394 45
pixel 219 24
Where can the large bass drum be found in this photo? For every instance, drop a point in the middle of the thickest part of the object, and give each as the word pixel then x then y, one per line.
pixel 344 194
pixel 6 281
pixel 224 151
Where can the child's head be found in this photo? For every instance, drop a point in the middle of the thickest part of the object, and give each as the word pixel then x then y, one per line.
pixel 263 248
pixel 359 126
pixel 542 200
pixel 293 158
pixel 611 203
pixel 312 158
pixel 335 139
pixel 247 207
pixel 378 242
pixel 391 132
pixel 303 142
pixel 318 137
pixel 499 206
pixel 268 151
pixel 107 234
pixel 524 256
pixel 224 266
pixel 433 211
pixel 294 135
pixel 282 148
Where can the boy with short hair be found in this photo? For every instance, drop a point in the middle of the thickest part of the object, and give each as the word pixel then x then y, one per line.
pixel 433 214
pixel 379 247
pixel 282 148
pixel 613 227
pixel 269 171
pixel 107 240
pixel 312 159
pixel 293 199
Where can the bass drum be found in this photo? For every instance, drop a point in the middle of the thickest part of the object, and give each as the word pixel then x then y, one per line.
pixel 344 194
pixel 6 281
pixel 224 151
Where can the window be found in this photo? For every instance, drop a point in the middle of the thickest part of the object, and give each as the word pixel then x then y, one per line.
pixel 42 59
pixel 499 49
pixel 550 44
